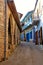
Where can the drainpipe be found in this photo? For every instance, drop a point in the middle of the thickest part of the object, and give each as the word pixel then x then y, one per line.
pixel 5 6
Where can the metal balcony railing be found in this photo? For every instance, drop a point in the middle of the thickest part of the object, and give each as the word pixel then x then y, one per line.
pixel 36 17
pixel 10 0
pixel 36 20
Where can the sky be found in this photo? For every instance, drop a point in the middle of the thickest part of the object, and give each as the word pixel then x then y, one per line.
pixel 24 6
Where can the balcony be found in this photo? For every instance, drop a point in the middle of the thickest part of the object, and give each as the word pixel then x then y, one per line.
pixel 36 20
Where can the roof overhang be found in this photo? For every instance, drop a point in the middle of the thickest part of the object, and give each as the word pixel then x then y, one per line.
pixel 27 27
pixel 14 12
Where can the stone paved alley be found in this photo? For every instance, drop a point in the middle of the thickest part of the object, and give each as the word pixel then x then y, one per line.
pixel 25 54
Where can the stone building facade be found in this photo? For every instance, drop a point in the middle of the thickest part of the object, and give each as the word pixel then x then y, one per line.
pixel 9 28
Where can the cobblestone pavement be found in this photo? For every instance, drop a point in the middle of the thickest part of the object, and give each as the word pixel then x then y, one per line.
pixel 25 55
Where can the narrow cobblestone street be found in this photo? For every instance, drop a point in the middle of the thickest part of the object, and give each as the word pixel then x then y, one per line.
pixel 21 32
pixel 25 55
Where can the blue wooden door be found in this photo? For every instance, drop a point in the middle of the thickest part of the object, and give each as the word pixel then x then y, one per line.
pixel 31 35
pixel 27 37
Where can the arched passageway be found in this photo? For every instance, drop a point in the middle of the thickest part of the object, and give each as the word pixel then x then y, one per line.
pixel 14 35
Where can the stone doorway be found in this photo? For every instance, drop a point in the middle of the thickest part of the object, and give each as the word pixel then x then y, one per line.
pixel 14 39
pixel 9 34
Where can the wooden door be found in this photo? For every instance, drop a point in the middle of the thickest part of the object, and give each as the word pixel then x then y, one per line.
pixel 36 37
pixel 41 35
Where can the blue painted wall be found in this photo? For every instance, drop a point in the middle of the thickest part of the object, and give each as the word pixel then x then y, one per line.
pixel 28 20
pixel 22 36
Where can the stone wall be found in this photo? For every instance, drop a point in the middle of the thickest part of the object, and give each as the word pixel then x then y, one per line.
pixel 14 31
pixel 1 29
